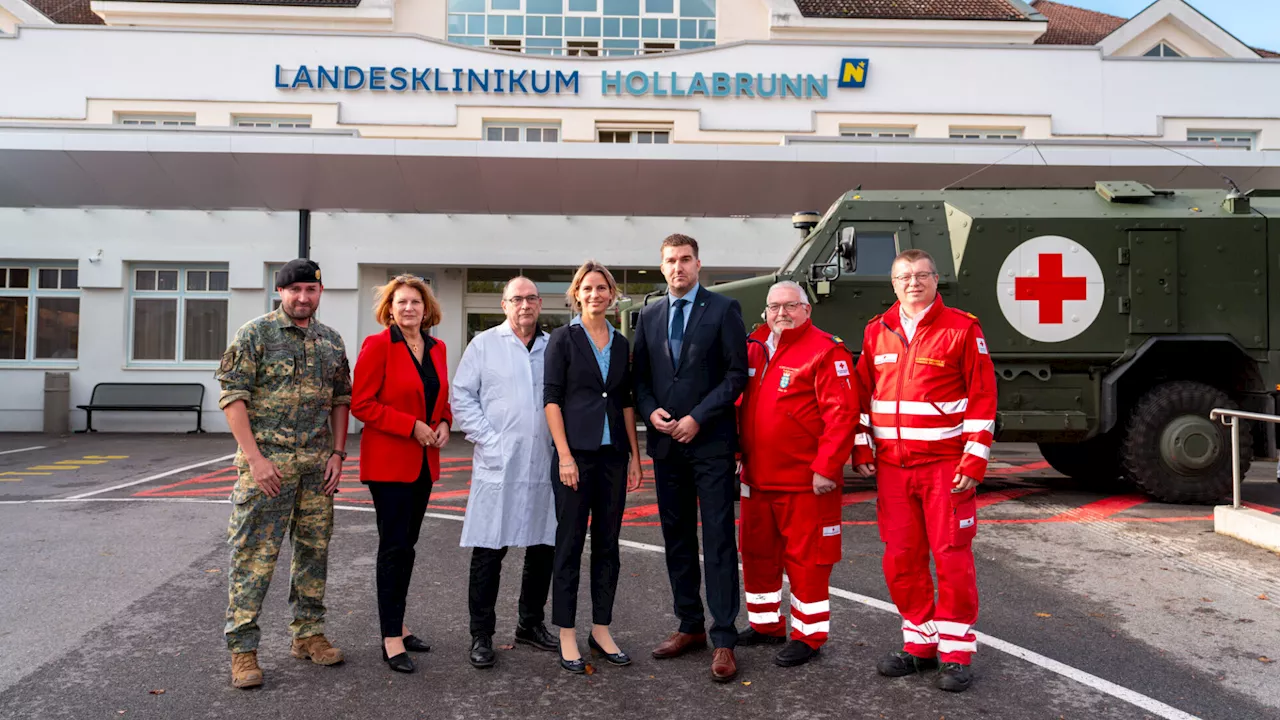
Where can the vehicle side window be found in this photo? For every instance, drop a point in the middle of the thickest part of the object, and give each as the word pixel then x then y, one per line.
pixel 876 251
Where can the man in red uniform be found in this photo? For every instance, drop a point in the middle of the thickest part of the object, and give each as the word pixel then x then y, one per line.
pixel 798 415
pixel 930 390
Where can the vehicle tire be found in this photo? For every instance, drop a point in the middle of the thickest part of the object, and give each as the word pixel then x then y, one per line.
pixel 1093 463
pixel 1174 452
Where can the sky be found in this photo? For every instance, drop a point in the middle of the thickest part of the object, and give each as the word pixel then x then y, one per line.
pixel 1255 22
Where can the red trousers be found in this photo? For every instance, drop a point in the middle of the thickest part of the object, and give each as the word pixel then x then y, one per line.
pixel 917 513
pixel 798 532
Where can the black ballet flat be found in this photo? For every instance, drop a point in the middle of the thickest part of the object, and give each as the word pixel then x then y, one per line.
pixel 577 667
pixel 618 658
pixel 399 663
pixel 414 644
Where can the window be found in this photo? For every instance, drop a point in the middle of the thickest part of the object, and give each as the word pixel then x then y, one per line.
pixel 984 134
pixel 521 132
pixel 179 314
pixel 273 297
pixel 283 123
pixel 52 331
pixel 1162 49
pixel 583 48
pixel 156 120
pixel 1242 139
pixel 509 45
pixel 562 27
pixel 876 250
pixel 874 132
pixel 653 48
pixel 639 137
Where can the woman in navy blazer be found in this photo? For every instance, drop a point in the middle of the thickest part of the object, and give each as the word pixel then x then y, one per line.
pixel 591 414
pixel 400 392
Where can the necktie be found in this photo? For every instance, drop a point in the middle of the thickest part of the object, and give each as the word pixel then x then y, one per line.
pixel 677 330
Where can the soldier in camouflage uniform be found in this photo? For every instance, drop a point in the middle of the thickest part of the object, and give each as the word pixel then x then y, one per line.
pixel 286 392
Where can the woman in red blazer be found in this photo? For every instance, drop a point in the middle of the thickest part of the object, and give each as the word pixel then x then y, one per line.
pixel 401 394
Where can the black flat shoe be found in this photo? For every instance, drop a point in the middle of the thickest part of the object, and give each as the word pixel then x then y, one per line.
pixel 794 653
pixel 953 677
pixel 399 663
pixel 577 667
pixel 414 644
pixel 538 637
pixel 618 658
pixel 482 655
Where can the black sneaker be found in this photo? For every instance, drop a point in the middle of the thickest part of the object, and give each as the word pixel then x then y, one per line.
pixel 900 662
pixel 795 653
pixel 537 637
pixel 751 637
pixel 482 652
pixel 953 677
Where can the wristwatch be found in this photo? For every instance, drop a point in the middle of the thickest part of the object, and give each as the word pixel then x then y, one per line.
pixel 340 453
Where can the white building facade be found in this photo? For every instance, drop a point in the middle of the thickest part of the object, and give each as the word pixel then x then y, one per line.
pixel 157 168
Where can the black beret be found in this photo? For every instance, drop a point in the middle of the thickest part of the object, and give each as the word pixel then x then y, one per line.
pixel 301 270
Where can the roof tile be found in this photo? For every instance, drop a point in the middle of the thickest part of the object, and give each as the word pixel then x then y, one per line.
pixel 911 9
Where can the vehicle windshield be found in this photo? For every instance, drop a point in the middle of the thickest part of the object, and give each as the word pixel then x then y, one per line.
pixel 797 253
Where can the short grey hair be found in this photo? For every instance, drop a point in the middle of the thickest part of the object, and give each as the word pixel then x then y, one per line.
pixel 513 281
pixel 791 284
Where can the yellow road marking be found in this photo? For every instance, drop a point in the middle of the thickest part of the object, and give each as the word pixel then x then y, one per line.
pixel 106 457
pixel 23 472
pixel 51 467
pixel 81 462
pixel 5 479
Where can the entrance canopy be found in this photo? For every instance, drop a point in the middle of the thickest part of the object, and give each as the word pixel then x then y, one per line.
pixel 228 168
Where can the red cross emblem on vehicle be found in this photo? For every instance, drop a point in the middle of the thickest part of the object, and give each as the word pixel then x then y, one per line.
pixel 1050 288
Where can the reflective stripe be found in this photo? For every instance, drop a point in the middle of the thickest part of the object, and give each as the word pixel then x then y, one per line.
pixel 865 419
pixel 973 426
pixel 912 433
pixel 916 638
pixel 763 598
pixel 954 629
pixel 862 439
pixel 928 629
pixel 949 646
pixel 810 628
pixel 766 618
pixel 914 407
pixel 823 606
pixel 977 449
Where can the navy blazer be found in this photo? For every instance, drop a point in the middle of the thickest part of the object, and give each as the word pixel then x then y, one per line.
pixel 571 379
pixel 704 382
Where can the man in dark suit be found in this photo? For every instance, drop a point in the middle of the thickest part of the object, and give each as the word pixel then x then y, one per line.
pixel 690 358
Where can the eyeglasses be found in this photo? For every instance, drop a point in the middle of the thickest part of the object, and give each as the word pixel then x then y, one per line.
pixel 521 299
pixel 920 277
pixel 791 306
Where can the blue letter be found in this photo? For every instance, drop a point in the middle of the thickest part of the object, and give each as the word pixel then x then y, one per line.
pixel 742 85
pixel 346 78
pixel 457 79
pixel 675 86
pixel 303 76
pixel 720 82
pixel 376 79
pixel 278 83
pixel 773 85
pixel 398 81
pixel 563 80
pixel 473 79
pixel 657 90
pixel 631 78
pixel 499 71
pixel 439 87
pixel 546 76
pixel 811 85
pixel 323 75
pixel 606 83
pixel 517 79
pixel 420 79
pixel 698 84
pixel 790 82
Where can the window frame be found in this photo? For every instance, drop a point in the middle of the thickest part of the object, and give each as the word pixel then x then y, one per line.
pixel 180 295
pixel 634 130
pixel 155 119
pixel 1220 138
pixel 33 293
pixel 1167 46
pixel 271 122
pixel 877 132
pixel 524 127
pixel 984 134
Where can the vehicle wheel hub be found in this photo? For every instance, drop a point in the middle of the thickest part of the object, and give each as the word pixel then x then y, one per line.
pixel 1190 444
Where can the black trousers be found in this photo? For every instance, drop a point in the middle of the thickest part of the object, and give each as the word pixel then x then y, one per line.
pixel 601 495
pixel 486 575
pixel 400 508
pixel 686 484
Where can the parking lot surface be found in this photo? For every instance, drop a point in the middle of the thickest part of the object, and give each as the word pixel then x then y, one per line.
pixel 1096 603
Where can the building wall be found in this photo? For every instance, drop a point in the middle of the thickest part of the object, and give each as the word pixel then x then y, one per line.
pixel 8 21
pixel 1189 43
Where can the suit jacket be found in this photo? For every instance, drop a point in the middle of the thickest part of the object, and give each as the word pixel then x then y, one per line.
pixel 387 397
pixel 704 382
pixel 572 380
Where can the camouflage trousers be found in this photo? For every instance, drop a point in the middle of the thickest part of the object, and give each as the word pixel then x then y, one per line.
pixel 255 533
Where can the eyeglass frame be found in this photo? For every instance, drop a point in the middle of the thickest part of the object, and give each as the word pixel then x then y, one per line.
pixel 921 277
pixel 519 300
pixel 779 306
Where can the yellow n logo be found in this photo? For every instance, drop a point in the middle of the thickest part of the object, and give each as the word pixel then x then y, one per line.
pixel 853 72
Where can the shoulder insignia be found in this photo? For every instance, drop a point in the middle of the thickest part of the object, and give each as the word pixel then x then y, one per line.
pixel 837 338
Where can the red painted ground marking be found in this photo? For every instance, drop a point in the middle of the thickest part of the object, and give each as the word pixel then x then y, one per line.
pixel 639 511
pixel 996 497
pixel 858 496
pixel 1029 467
pixel 1101 509
pixel 1262 508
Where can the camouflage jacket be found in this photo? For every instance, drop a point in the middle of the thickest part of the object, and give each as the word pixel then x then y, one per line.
pixel 290 378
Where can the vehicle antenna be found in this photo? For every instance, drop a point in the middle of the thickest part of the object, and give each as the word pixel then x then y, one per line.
pixel 983 169
pixel 1221 174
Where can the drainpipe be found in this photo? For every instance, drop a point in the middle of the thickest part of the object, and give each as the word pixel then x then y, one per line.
pixel 304 233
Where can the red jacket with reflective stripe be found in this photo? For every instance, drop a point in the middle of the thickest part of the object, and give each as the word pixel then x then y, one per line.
pixel 931 399
pixel 799 411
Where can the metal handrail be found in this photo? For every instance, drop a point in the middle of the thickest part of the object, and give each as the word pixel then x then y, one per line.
pixel 1232 418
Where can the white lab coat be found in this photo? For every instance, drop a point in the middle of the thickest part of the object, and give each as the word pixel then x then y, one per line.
pixel 497 402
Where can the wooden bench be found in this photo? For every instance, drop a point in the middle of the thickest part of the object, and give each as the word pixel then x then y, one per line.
pixel 146 397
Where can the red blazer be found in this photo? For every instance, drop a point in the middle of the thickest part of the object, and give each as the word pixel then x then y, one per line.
pixel 387 397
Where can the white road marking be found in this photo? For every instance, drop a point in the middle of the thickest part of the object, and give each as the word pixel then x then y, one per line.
pixel 33 447
pixel 165 474
pixel 1120 692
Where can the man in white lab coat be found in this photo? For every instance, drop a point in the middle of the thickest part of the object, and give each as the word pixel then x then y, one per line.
pixel 497 402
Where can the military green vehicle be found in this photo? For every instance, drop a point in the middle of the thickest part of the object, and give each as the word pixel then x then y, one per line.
pixel 1117 316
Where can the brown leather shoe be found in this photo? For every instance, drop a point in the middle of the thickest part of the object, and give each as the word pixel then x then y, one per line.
pixel 317 649
pixel 680 643
pixel 724 667
pixel 245 672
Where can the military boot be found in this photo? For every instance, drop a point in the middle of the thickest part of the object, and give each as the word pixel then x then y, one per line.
pixel 245 672
pixel 317 649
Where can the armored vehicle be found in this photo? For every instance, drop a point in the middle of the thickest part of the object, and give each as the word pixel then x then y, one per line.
pixel 1117 316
